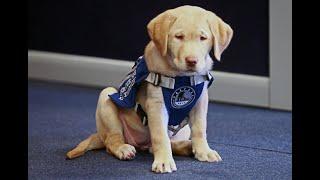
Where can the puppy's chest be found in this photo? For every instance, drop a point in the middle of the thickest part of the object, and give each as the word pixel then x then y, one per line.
pixel 179 94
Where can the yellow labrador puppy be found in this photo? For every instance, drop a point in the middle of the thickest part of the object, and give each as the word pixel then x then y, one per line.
pixel 181 40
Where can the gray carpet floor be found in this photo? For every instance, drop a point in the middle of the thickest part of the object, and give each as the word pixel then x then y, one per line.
pixel 254 143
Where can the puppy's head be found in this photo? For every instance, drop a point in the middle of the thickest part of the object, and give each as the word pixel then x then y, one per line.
pixel 187 34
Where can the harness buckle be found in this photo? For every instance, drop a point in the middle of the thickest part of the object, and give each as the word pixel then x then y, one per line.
pixel 192 81
pixel 175 130
pixel 157 79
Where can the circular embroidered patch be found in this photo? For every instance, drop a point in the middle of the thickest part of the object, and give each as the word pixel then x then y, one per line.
pixel 182 97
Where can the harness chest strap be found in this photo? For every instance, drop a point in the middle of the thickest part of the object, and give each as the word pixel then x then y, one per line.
pixel 176 129
pixel 172 128
pixel 169 82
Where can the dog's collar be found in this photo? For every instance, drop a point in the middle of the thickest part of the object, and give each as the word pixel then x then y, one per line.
pixel 169 82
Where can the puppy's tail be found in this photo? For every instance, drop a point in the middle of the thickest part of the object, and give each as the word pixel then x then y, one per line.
pixel 92 142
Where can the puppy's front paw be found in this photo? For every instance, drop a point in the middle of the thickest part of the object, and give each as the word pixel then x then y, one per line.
pixel 125 152
pixel 207 154
pixel 164 165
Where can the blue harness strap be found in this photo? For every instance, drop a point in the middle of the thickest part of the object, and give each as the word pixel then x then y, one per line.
pixel 179 100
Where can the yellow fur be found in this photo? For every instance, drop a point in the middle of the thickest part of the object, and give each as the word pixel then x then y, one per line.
pixel 166 54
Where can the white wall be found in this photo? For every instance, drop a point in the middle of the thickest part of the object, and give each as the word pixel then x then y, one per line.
pixel 281 54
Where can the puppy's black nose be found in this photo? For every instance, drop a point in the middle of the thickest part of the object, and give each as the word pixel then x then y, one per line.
pixel 191 61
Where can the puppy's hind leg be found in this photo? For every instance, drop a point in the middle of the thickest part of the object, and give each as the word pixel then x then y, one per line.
pixel 182 148
pixel 110 127
pixel 92 142
pixel 179 148
pixel 180 143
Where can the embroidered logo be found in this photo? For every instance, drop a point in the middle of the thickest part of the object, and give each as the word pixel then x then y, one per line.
pixel 182 97
pixel 127 84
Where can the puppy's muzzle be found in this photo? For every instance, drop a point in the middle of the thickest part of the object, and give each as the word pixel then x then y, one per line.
pixel 191 61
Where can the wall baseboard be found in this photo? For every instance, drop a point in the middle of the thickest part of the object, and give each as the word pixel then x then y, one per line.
pixel 102 72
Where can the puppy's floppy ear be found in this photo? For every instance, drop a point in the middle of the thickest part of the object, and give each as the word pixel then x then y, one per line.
pixel 158 29
pixel 221 33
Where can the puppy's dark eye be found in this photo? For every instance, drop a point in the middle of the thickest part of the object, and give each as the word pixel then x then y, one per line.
pixel 180 37
pixel 202 38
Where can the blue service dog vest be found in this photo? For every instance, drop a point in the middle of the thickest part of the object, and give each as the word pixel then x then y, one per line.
pixel 179 99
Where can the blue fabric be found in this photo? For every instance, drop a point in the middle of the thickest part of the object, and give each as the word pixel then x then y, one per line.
pixel 126 97
pixel 254 143
pixel 178 101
